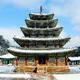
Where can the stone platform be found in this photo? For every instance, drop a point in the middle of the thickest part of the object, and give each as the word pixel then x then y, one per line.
pixel 45 76
pixel 42 69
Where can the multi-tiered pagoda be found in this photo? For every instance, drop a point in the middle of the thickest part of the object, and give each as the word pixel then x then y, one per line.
pixel 41 45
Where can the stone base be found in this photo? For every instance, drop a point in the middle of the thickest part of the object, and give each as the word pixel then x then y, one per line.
pixel 42 69
pixel 58 69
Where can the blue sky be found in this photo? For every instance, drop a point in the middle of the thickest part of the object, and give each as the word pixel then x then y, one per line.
pixel 14 12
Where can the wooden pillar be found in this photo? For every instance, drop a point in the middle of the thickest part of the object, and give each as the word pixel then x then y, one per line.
pixel 26 61
pixel 5 61
pixel 29 34
pixel 54 35
pixel 36 45
pixel 37 61
pixel 22 46
pixel 17 61
pixel 28 45
pixel 46 46
pixel 60 44
pixel 66 60
pixel 47 61
pixel 46 34
pixel 2 62
pixel 13 62
pixel 10 61
pixel 57 61
pixel 37 33
pixel 55 45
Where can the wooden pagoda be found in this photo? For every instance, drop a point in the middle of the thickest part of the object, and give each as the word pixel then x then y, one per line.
pixel 41 47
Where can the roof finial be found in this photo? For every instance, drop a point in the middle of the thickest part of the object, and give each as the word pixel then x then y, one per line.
pixel 41 9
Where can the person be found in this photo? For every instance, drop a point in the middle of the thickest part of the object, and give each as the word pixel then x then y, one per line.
pixel 35 70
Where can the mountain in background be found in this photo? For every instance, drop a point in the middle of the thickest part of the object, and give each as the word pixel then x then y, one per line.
pixel 4 44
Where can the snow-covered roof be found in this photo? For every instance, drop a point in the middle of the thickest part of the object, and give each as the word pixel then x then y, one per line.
pixel 6 56
pixel 40 21
pixel 41 14
pixel 74 58
pixel 61 50
pixel 54 28
pixel 35 16
pixel 41 39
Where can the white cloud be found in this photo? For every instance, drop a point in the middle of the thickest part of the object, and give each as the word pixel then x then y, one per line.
pixel 76 28
pixel 31 4
pixel 9 33
pixel 70 9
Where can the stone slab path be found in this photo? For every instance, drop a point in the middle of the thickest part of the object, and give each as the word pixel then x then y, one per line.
pixel 45 76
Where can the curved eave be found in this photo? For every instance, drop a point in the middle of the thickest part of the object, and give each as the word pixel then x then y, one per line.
pixel 40 29
pixel 41 16
pixel 41 39
pixel 27 31
pixel 55 52
pixel 37 23
pixel 23 41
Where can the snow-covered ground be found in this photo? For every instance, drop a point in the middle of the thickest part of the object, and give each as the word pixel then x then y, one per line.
pixel 57 76
pixel 24 75
pixel 74 69
pixel 74 73
pixel 7 69
pixel 67 76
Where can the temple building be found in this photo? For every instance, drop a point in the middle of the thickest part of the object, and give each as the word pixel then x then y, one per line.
pixel 74 60
pixel 8 59
pixel 41 46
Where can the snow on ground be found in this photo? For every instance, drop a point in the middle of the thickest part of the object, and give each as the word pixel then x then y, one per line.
pixel 74 69
pixel 7 68
pixel 67 76
pixel 57 76
pixel 15 75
